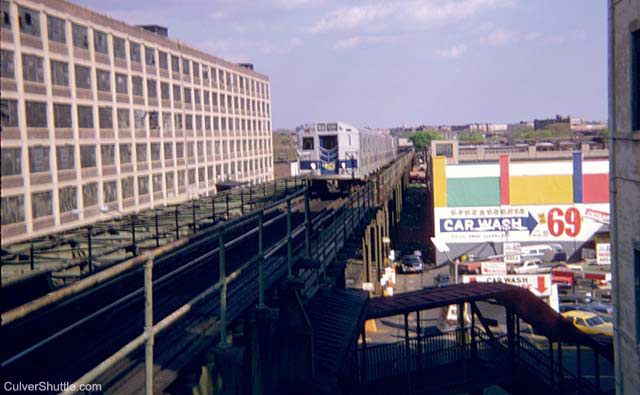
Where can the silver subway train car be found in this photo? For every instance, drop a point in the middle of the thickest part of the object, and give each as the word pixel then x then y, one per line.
pixel 341 152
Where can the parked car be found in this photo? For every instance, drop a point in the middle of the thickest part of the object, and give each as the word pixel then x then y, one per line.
pixel 599 307
pixel 410 264
pixel 565 307
pixel 441 280
pixel 590 323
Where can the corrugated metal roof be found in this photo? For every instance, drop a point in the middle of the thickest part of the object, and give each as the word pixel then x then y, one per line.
pixel 336 316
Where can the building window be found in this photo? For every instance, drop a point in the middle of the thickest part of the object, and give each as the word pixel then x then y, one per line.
pixel 205 72
pixel 134 51
pixel 41 204
pixel 80 36
pixel 68 198
pixel 5 20
pixel 188 121
pixel 181 175
pixel 185 67
pixel 201 174
pixel 155 151
pixel 138 118
pixel 198 122
pixel 32 69
pixel 104 80
pixel 141 152
pixel 190 150
pixel 110 191
pixel 127 187
pixel 162 60
pixel 90 194
pixel 196 70
pixel 157 182
pixel 176 93
pixel 100 42
pixel 9 113
pixel 56 30
pixel 36 114
pixel 164 91
pixel 29 21
pixel 83 77
pixel 105 117
pixel 196 96
pixel 119 50
pixel 169 180
pixel 168 151
pixel 179 150
pixel 192 176
pixel 205 96
pixel 12 209
pixel 121 84
pixel 635 80
pixel 149 56
pixel 178 121
pixel 65 157
pixel 62 115
pixel 59 73
pixel 207 122
pixel 7 69
pixel 154 123
pixel 152 88
pixel 125 153
pixel 123 118
pixel 85 117
pixel 87 156
pixel 210 173
pixel 187 95
pixel 200 148
pixel 11 161
pixel 166 121
pixel 136 83
pixel 143 185
pixel 175 64
pixel 38 159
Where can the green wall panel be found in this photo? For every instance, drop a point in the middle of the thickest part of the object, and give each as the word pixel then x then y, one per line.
pixel 468 192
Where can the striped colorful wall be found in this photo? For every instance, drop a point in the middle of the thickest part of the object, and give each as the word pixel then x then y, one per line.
pixel 520 183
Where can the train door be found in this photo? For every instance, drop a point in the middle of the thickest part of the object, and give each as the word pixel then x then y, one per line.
pixel 329 154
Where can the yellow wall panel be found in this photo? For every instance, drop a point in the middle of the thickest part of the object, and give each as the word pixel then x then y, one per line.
pixel 541 189
pixel 439 181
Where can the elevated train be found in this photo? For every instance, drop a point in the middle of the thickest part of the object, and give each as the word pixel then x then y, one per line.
pixel 338 155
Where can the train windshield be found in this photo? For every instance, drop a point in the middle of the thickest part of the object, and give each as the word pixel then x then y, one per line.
pixel 329 142
pixel 307 143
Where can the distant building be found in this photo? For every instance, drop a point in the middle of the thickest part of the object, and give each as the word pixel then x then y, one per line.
pixel 544 123
pixel 624 127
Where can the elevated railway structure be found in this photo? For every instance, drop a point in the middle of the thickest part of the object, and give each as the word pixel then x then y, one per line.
pixel 188 287
pixel 39 265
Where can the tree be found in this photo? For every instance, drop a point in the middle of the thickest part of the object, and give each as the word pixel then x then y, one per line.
pixel 423 138
pixel 474 137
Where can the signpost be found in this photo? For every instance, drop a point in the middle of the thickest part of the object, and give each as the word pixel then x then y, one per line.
pixel 511 252
pixel 493 267
pixel 603 253
pixel 538 284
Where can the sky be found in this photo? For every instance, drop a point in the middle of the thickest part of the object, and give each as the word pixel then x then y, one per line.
pixel 387 63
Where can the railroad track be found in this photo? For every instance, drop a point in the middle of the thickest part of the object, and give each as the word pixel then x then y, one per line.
pixel 63 341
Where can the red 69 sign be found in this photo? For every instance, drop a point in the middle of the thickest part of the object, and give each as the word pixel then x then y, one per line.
pixel 568 222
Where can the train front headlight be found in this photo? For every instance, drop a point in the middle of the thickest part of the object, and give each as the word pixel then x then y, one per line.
pixel 313 166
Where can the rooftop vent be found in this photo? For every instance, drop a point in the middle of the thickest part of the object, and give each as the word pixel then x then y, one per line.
pixel 157 29
pixel 246 65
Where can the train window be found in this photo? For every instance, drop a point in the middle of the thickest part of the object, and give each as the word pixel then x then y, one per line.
pixel 332 127
pixel 321 127
pixel 307 143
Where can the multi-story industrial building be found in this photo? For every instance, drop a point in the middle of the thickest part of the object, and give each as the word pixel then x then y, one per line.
pixel 101 118
pixel 624 125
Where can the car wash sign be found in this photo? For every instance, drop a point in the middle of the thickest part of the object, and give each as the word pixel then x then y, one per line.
pixel 489 224
pixel 538 284
pixel 513 224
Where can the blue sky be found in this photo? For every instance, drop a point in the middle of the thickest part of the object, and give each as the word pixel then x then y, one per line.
pixel 385 63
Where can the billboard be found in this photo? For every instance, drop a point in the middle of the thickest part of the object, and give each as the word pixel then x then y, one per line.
pixel 532 223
